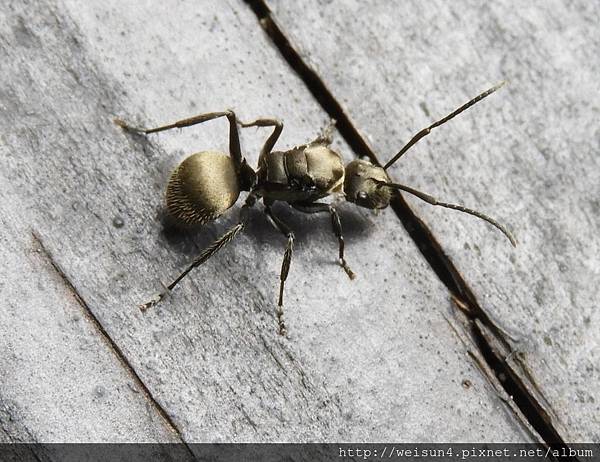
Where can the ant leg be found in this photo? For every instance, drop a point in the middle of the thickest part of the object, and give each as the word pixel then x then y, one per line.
pixel 285 266
pixel 326 136
pixel 234 138
pixel 272 139
pixel 454 113
pixel 317 207
pixel 433 201
pixel 207 253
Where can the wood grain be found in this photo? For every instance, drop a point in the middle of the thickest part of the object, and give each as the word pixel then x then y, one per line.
pixel 526 155
pixel 372 359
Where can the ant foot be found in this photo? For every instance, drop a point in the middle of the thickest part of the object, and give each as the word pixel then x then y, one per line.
pixel 128 128
pixel 153 301
pixel 347 269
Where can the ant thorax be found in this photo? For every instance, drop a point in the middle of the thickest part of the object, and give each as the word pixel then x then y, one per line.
pixel 302 174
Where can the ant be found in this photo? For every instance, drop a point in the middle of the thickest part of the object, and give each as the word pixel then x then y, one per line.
pixel 206 184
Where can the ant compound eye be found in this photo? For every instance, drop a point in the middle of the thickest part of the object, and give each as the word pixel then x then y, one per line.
pixel 362 195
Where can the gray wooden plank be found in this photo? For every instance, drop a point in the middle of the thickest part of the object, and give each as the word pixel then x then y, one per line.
pixel 59 381
pixel 527 155
pixel 365 359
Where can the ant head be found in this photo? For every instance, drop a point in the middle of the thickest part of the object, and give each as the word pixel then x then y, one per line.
pixel 362 185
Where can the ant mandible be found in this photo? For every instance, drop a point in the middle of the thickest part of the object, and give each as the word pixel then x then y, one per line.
pixel 206 184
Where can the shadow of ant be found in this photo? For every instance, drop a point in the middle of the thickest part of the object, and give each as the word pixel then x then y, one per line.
pixel 189 240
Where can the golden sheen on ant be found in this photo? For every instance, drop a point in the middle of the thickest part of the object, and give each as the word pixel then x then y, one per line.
pixel 206 184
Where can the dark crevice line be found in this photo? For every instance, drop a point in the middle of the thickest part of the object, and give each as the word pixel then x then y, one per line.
pixel 463 334
pixel 432 251
pixel 312 80
pixel 529 406
pixel 110 342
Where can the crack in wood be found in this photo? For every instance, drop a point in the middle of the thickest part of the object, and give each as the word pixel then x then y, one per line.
pixel 512 359
pixel 472 350
pixel 25 442
pixel 513 384
pixel 537 416
pixel 91 317
pixel 8 426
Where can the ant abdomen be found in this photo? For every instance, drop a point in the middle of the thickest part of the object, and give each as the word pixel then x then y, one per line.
pixel 202 188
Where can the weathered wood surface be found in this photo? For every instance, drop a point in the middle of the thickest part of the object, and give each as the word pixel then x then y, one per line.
pixel 373 359
pixel 527 155
pixel 59 379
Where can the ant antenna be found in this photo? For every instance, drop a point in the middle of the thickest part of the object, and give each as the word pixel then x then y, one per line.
pixel 426 131
pixel 433 201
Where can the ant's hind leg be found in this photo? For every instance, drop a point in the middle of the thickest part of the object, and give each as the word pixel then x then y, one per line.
pixel 336 225
pixel 285 266
pixel 234 138
pixel 207 253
